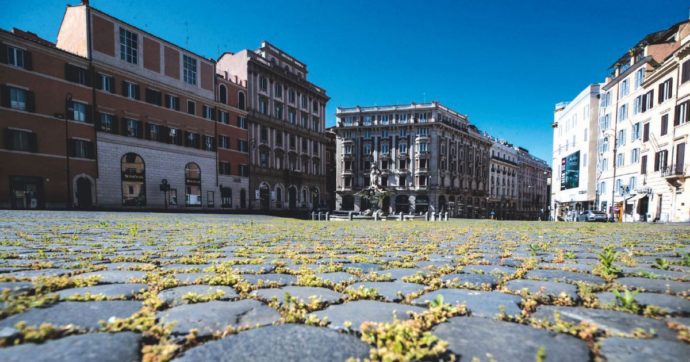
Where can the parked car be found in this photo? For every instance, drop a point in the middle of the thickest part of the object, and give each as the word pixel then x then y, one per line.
pixel 591 215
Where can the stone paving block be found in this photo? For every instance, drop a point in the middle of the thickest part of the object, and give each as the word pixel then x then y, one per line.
pixel 564 276
pixel 670 304
pixel 16 287
pixel 476 280
pixel 489 339
pixel 126 291
pixel 391 291
pixel 655 285
pixel 616 349
pixel 337 277
pixel 279 279
pixel 361 311
pixel 84 315
pixel 175 296
pixel 215 316
pixel 289 342
pixel 115 276
pixel 105 347
pixel 303 294
pixel 489 269
pixel 479 303
pixel 548 289
pixel 620 323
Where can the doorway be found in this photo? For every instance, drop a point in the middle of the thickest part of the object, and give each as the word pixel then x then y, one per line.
pixel 292 198
pixel 84 196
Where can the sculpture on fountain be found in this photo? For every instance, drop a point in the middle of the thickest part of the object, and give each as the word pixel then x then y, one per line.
pixel 375 193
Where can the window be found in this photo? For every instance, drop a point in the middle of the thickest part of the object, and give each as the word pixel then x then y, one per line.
pixel 292 115
pixel 637 105
pixel 263 105
pixel 17 98
pixel 20 140
pixel 223 117
pixel 223 94
pixel 623 113
pixel 278 112
pixel 648 100
pixel 625 89
pixel 263 158
pixel 304 101
pixel 643 165
pixel 78 112
pixel 172 102
pixel 263 134
pixel 132 128
pixel 367 149
pixel 192 180
pixel 224 168
pixel 315 122
pixel 207 112
pixel 128 46
pixel 154 97
pixel 685 72
pixel 660 160
pixel 175 136
pixel 209 143
pixel 192 140
pixel 423 147
pixel 348 149
pixel 279 138
pixel 76 74
pixel 263 84
pixel 635 156
pixel 243 170
pixel 106 123
pixel 403 132
pixel 242 122
pixel 303 120
pixel 16 56
pixel 605 121
pixel 635 133
pixel 664 125
pixel 620 141
pixel 278 90
pixel 645 132
pixel 682 113
pixel 130 90
pixel 632 184
pixel 367 120
pixel 153 132
pixel 315 106
pixel 403 148
pixel 242 146
pixel 223 142
pixel 191 107
pixel 639 77
pixel 106 83
pixel 133 180
pixel 291 96
pixel 605 99
pixel 80 148
pixel 189 69
pixel 240 100
pixel 665 90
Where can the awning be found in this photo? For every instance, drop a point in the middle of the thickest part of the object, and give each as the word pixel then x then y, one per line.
pixel 635 198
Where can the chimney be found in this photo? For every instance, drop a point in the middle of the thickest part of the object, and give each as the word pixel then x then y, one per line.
pixel 85 2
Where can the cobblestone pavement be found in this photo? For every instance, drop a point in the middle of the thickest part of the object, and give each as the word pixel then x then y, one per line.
pixel 132 286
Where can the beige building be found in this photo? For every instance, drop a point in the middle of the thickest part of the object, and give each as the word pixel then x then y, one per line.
pixel 429 157
pixel 503 185
pixel 624 120
pixel 575 155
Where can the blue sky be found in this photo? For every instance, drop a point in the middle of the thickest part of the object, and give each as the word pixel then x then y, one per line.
pixel 503 63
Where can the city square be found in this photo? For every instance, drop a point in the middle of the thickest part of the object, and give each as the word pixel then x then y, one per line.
pixel 154 286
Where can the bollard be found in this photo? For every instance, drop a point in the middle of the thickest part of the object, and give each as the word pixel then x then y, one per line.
pixel 327 216
pixel 349 214
pixel 445 216
pixel 313 216
pixel 376 216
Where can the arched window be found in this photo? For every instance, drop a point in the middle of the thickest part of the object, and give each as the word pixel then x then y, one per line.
pixel 223 94
pixel 240 100
pixel 133 180
pixel 192 183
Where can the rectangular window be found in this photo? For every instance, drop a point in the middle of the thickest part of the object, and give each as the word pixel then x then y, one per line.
pixel 623 113
pixel 635 132
pixel 664 124
pixel 643 165
pixel 106 83
pixel 665 90
pixel 153 132
pixel 648 100
pixel 132 128
pixel 18 98
pixel 682 113
pixel 384 148
pixel 242 122
pixel 207 112
pixel 645 132
pixel 130 90
pixel 625 89
pixel 223 117
pixel 154 97
pixel 106 123
pixel 81 149
pixel 242 146
pixel 303 120
pixel 16 56
pixel 189 69
pixel 175 137
pixel 278 112
pixel 423 147
pixel 129 46
pixel 76 74
pixel 278 90
pixel 639 77
pixel 263 105
pixel 292 116
pixel 191 140
pixel 224 168
pixel 79 112
pixel 291 96
pixel 635 155
pixel 19 140
pixel 172 102
pixel 209 143
pixel 685 72
pixel 191 107
pixel 263 84
pixel 223 142
pixel 403 148
pixel 637 105
pixel 621 137
pixel 243 170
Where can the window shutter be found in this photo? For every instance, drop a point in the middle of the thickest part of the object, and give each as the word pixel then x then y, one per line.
pixel 656 161
pixel 644 103
pixel 89 115
pixel 148 131
pixel 123 126
pixel 177 105
pixel 30 101
pixel 661 91
pixel 140 129
pixel 112 85
pixel 33 143
pixel 69 72
pixel 88 77
pixel 137 94
pixel 643 165
pixel 8 137
pixel 28 61
pixel 70 147
pixel 115 125
pixel 651 99
pixel 680 157
pixel 99 82
pixel 670 88
pixel 5 94
pixel 167 102
pixel 90 150
pixel 3 53
pixel 676 119
pixel 124 89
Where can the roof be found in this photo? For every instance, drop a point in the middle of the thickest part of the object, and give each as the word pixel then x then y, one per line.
pixel 657 37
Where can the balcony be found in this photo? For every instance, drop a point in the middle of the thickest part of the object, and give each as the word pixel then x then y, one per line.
pixel 675 173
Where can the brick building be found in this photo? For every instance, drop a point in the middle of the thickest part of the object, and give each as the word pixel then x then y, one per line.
pixel 142 123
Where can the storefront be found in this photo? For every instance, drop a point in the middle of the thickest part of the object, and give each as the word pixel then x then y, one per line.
pixel 26 192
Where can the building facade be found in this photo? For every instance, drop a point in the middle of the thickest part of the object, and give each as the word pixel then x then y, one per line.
pixel 533 179
pixel 625 114
pixel 503 185
pixel 157 127
pixel 427 156
pixel 575 155
pixel 286 117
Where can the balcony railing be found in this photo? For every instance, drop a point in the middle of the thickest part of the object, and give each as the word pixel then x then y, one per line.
pixel 675 170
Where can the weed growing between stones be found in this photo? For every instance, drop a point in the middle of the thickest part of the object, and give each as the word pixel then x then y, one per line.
pixel 32 334
pixel 606 267
pixel 200 298
pixel 363 293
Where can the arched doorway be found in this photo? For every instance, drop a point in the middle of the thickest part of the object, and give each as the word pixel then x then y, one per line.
pixel 192 180
pixel 279 197
pixel 264 196
pixel 84 196
pixel 292 198
pixel 133 180
pixel 243 199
